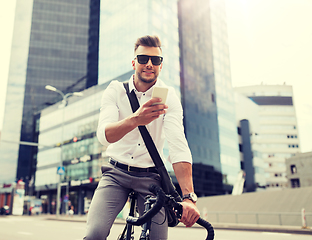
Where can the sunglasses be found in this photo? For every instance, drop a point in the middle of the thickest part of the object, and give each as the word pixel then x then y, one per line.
pixel 143 59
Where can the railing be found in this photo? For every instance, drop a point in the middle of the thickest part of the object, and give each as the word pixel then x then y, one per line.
pixel 261 218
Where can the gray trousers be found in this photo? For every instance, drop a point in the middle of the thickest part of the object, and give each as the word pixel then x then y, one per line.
pixel 112 194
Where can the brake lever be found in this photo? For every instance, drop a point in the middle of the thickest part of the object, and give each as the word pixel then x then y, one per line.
pixel 178 209
pixel 176 206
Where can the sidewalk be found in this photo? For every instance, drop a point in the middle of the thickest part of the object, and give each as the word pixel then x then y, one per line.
pixel 225 226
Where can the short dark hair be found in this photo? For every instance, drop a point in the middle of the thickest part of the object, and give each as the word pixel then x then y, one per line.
pixel 147 41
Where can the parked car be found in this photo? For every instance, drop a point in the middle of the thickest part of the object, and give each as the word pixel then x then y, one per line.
pixel 5 210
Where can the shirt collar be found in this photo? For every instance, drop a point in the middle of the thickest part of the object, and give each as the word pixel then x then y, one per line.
pixel 148 92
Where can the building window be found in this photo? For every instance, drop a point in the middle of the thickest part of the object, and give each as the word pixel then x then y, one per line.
pixel 291 136
pixel 293 146
pixel 242 165
pixel 240 147
pixel 293 169
pixel 295 183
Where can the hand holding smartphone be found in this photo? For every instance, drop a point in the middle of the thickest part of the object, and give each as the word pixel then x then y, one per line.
pixel 160 92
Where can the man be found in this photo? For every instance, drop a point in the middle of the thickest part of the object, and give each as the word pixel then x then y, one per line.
pixel 131 167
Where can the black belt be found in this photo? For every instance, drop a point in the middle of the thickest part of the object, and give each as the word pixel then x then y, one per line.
pixel 132 169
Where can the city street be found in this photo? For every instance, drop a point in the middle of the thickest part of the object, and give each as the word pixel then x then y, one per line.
pixel 38 228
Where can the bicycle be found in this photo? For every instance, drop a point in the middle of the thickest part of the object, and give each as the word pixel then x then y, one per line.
pixel 152 207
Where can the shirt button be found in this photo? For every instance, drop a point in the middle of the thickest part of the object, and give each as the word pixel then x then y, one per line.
pixel 139 144
pixel 131 157
pixel 143 94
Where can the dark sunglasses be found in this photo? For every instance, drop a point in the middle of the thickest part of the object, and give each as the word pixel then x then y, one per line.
pixel 143 59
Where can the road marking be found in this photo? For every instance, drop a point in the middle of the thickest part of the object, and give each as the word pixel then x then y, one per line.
pixel 275 233
pixel 25 233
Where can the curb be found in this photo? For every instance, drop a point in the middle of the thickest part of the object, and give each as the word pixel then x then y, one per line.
pixel 224 226
pixel 264 228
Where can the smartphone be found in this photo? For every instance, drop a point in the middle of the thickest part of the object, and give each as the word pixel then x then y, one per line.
pixel 160 92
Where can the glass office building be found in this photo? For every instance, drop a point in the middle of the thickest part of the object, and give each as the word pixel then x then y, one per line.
pixel 51 45
pixel 229 152
pixel 207 95
pixel 12 120
pixel 122 22
pixel 121 26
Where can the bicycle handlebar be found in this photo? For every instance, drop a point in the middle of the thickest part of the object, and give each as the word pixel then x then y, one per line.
pixel 160 201
pixel 202 222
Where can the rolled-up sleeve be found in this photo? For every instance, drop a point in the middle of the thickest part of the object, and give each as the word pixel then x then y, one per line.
pixel 109 111
pixel 179 150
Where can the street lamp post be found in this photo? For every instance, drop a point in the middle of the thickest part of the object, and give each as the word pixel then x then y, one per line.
pixel 64 104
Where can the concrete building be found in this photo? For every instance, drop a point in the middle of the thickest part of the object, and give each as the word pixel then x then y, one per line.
pixel 81 153
pixel 299 170
pixel 278 136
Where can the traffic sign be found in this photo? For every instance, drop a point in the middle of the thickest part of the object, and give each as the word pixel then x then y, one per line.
pixel 60 170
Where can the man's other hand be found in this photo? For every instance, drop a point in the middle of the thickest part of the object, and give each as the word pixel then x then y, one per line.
pixel 190 213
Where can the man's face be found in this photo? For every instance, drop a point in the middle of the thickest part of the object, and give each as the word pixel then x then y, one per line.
pixel 148 72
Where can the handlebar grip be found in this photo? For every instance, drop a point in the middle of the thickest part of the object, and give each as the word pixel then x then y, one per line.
pixel 208 227
pixel 160 200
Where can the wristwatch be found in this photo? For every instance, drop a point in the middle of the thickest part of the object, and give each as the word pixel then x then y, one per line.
pixel 192 196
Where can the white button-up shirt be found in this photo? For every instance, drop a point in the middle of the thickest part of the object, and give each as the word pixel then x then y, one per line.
pixel 131 149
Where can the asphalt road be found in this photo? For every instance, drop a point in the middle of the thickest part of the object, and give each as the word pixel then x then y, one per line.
pixel 38 228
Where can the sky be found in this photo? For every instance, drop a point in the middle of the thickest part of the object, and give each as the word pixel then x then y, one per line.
pixel 269 43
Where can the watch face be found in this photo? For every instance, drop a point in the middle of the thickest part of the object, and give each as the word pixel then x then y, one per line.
pixel 193 197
